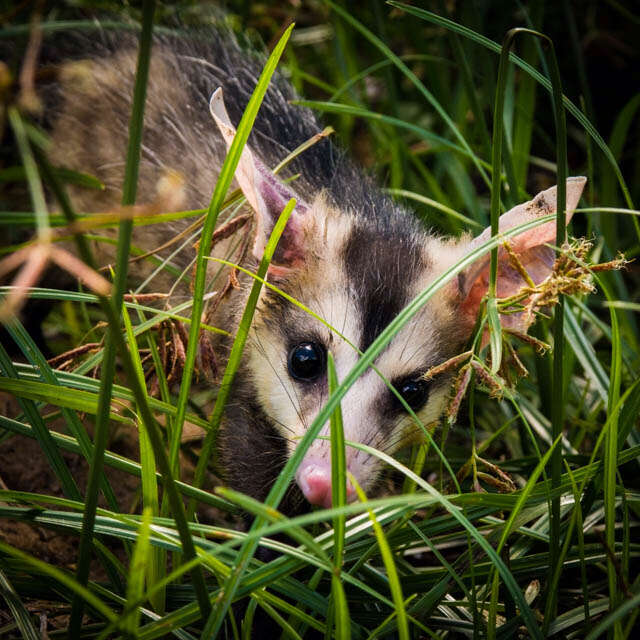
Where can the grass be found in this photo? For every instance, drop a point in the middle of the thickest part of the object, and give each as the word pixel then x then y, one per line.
pixel 411 92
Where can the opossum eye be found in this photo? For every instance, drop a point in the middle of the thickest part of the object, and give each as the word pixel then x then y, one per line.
pixel 307 361
pixel 414 391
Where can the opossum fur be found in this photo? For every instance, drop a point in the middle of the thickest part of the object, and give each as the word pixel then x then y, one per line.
pixel 349 252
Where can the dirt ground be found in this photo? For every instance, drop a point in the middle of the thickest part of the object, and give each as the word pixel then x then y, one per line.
pixel 23 467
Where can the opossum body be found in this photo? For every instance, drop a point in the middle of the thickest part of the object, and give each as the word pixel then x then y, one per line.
pixel 349 253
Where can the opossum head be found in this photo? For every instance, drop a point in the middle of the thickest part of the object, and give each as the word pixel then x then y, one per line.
pixel 353 274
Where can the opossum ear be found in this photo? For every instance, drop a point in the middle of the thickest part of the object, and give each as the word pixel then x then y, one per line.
pixel 264 192
pixel 530 247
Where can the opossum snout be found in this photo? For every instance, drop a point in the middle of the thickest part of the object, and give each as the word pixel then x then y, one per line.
pixel 314 479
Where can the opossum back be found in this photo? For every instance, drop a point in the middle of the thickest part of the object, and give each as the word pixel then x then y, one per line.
pixel 89 111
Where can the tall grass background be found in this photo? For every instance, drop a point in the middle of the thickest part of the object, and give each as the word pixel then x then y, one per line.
pixel 428 98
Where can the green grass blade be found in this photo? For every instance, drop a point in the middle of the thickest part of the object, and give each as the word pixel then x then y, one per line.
pixel 154 564
pixel 40 429
pixel 43 392
pixel 66 443
pixel 251 505
pixel 339 499
pixel 338 466
pixel 611 461
pixel 237 348
pixel 403 193
pixel 442 560
pixel 558 387
pixel 247 622
pixel 441 111
pixel 525 492
pixel 17 609
pixel 42 568
pixel 340 609
pixel 122 258
pixel 137 570
pixel 527 68
pixel 204 249
pixel 213 624
pixel 34 355
pixel 614 618
pixel 33 179
pixel 581 549
pixel 586 355
pixel 438 141
pixel 390 566
pixel 495 333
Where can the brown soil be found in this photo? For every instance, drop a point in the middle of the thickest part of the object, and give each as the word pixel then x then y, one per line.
pixel 24 467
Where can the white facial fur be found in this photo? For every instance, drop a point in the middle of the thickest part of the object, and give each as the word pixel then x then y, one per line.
pixel 325 289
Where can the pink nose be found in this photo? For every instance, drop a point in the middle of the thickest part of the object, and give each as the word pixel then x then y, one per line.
pixel 314 480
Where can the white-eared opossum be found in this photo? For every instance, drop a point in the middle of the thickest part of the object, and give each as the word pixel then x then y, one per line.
pixel 349 253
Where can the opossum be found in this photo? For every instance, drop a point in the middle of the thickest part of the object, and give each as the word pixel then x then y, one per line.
pixel 349 253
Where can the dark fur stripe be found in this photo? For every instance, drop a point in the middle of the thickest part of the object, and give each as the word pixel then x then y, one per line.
pixel 380 273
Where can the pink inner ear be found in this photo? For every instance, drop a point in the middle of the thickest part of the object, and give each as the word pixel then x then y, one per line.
pixel 538 262
pixel 530 247
pixel 474 294
pixel 264 192
pixel 278 272
pixel 274 197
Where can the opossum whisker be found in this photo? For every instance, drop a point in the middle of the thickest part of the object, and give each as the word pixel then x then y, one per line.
pixel 285 427
pixel 407 342
pixel 295 404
